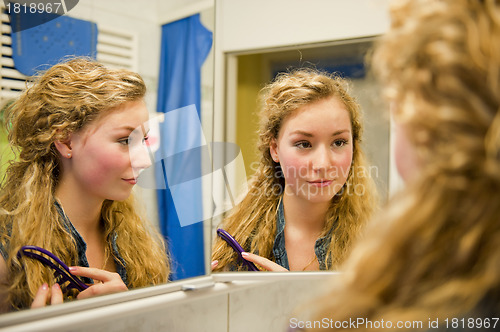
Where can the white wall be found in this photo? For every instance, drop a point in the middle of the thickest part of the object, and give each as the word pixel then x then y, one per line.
pixel 173 10
pixel 256 24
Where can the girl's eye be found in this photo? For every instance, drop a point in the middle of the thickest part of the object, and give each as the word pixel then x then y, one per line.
pixel 340 143
pixel 124 141
pixel 130 140
pixel 302 145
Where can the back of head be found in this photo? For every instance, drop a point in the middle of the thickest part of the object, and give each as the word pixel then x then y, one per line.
pixel 433 252
pixel 443 82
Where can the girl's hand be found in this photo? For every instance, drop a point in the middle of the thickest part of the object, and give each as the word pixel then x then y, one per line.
pixel 105 282
pixel 263 262
pixel 214 264
pixel 44 294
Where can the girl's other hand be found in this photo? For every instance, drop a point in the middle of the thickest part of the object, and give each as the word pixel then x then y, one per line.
pixel 214 264
pixel 46 294
pixel 263 262
pixel 105 282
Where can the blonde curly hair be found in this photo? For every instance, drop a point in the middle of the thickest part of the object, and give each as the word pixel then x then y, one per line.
pixel 253 221
pixel 62 101
pixel 433 254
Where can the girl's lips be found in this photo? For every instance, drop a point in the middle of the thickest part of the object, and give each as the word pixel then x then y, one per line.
pixel 131 181
pixel 321 183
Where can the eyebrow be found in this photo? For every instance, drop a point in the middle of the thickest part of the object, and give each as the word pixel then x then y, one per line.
pixel 307 134
pixel 131 129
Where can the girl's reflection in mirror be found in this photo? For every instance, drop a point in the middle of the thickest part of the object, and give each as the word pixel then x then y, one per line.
pixel 69 190
pixel 312 192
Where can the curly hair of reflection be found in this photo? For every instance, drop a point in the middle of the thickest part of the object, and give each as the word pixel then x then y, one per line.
pixel 61 101
pixel 253 220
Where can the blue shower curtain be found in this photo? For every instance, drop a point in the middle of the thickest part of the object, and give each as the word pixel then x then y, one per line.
pixel 184 47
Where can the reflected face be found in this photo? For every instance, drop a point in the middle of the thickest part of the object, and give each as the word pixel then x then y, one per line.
pixel 314 148
pixel 108 154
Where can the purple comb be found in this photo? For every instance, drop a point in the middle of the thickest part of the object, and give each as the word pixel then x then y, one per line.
pixel 236 246
pixel 61 270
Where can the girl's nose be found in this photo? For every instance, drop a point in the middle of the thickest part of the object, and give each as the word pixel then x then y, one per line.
pixel 321 159
pixel 140 157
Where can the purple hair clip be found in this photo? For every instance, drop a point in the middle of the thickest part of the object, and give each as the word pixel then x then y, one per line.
pixel 236 247
pixel 61 270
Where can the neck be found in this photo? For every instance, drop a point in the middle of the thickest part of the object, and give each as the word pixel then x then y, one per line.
pixel 305 215
pixel 83 211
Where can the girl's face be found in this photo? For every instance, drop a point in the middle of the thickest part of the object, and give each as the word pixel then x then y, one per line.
pixel 404 153
pixel 314 148
pixel 108 154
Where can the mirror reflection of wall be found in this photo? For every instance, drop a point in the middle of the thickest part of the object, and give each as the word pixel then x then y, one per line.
pixel 129 36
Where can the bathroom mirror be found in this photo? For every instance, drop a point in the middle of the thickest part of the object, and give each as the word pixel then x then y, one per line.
pixel 129 35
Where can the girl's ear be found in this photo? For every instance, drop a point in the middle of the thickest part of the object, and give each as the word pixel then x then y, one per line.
pixel 64 147
pixel 273 149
